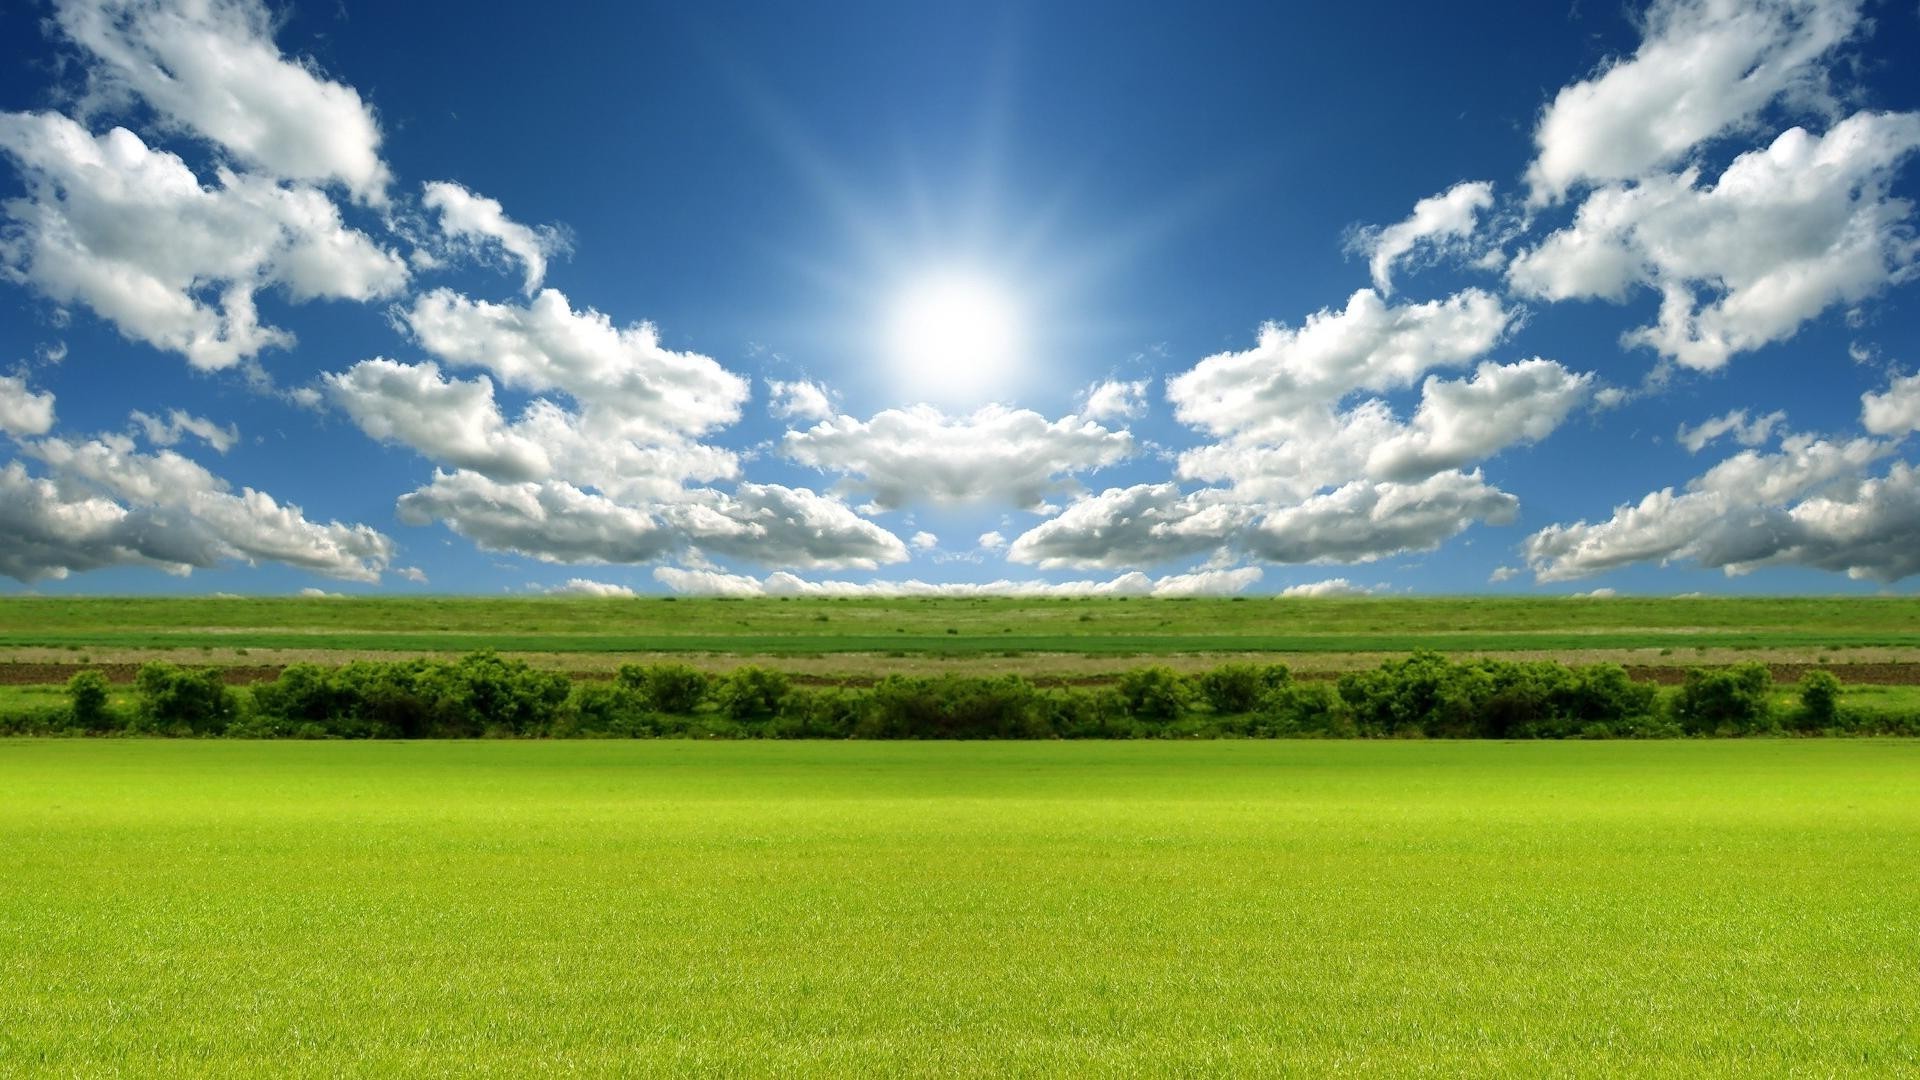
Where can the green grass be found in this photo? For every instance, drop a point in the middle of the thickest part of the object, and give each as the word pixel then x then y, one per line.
pixel 1682 908
pixel 958 627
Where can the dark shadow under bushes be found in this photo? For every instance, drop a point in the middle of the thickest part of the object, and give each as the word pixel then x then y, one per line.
pixel 1421 696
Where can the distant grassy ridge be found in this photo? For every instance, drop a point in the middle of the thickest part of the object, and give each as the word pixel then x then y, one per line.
pixel 962 627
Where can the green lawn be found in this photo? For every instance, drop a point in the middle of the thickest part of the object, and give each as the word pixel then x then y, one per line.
pixel 959 627
pixel 1679 908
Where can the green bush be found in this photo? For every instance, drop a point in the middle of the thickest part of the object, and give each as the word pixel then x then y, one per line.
pixel 954 707
pixel 1303 710
pixel 605 710
pixel 174 700
pixel 1819 701
pixel 667 688
pixel 1154 694
pixel 1733 701
pixel 820 714
pixel 87 697
pixel 1238 688
pixel 752 693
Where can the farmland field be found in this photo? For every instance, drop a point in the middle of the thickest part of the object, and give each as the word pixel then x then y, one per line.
pixel 42 638
pixel 511 908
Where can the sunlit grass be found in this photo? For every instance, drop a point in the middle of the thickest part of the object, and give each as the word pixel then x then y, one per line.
pixel 1134 626
pixel 197 908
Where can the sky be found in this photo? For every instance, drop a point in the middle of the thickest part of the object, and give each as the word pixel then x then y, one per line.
pixel 844 299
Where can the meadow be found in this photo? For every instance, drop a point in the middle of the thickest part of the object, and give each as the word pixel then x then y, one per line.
pixel 995 627
pixel 470 908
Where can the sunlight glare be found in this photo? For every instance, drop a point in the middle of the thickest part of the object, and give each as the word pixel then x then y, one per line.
pixel 954 339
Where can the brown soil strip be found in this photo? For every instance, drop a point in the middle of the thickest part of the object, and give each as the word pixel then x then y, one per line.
pixel 1043 670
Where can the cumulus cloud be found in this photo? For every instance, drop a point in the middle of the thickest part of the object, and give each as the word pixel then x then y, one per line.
pixel 799 400
pixel 597 467
pixel 1330 587
pixel 559 523
pixel 1363 521
pixel 1112 399
pixel 1370 345
pixel 180 423
pixel 1894 411
pixel 1304 477
pixel 451 420
pixel 23 412
pixel 991 541
pixel 1809 504
pixel 477 220
pixel 211 67
pixel 1140 525
pixel 1462 420
pixel 924 541
pixel 1439 223
pixel 545 346
pixel 1703 67
pixel 129 232
pixel 105 504
pixel 1746 432
pixel 1199 583
pixel 1786 233
pixel 901 456
pixel 585 587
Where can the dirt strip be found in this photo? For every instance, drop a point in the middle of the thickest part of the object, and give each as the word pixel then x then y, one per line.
pixel 848 672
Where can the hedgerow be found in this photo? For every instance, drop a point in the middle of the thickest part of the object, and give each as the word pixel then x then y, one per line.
pixel 1424 695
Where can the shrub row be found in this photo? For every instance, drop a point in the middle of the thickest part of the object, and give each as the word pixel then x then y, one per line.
pixel 1424 695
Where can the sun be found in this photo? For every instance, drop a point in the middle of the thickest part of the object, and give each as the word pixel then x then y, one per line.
pixel 954 339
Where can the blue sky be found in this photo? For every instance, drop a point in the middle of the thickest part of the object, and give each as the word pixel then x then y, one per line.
pixel 879 297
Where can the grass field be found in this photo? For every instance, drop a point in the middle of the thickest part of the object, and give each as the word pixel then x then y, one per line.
pixel 1678 908
pixel 954 627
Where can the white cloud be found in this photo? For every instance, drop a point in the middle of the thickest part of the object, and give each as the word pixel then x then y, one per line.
pixel 1745 432
pixel 1139 525
pixel 1368 346
pixel 211 67
pixel 924 541
pixel 476 219
pixel 991 541
pixel 799 400
pixel 311 593
pixel 547 520
pixel 413 574
pixel 1113 399
pixel 131 233
pixel 559 523
pixel 1503 573
pixel 1307 480
pixel 1602 593
pixel 1810 504
pixel 22 411
pixel 1703 67
pixel 1330 587
pixel 179 424
pixel 1460 420
pixel 105 504
pixel 645 391
pixel 915 454
pixel 1364 521
pixel 1440 222
pixel 1199 583
pixel 1894 411
pixel 449 420
pixel 1786 233
pixel 584 587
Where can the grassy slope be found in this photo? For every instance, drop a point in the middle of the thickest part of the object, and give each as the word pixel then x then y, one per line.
pixel 958 626
pixel 1686 908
